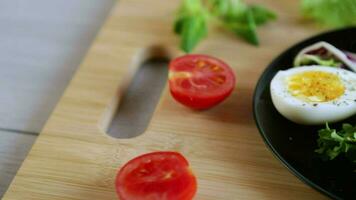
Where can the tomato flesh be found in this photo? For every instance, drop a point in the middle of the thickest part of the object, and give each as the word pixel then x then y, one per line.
pixel 156 176
pixel 200 81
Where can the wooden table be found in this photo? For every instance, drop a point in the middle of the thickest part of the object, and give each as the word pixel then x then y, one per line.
pixel 74 158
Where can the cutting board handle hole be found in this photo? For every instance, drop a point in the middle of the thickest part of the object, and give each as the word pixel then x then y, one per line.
pixel 140 99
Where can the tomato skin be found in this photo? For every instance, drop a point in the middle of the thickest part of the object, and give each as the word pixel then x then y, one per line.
pixel 200 81
pixel 197 102
pixel 156 176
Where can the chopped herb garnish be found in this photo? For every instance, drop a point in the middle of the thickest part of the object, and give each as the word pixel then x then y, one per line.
pixel 333 143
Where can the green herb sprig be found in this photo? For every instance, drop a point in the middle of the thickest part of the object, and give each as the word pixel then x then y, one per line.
pixel 194 17
pixel 333 143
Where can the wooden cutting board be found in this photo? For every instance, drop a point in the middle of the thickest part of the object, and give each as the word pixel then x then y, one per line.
pixel 73 158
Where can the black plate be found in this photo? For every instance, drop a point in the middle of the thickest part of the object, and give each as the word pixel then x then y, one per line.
pixel 294 144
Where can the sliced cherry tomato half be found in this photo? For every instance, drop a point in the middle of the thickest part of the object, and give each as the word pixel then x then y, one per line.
pixel 156 176
pixel 200 81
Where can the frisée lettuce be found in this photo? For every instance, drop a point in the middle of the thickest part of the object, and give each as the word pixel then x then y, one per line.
pixel 333 143
pixel 325 54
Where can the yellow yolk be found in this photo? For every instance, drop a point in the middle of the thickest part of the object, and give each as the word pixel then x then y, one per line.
pixel 315 86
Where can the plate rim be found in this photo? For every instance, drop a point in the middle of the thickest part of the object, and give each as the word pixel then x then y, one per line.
pixel 267 142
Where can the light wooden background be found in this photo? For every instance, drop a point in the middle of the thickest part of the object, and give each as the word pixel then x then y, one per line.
pixel 74 159
pixel 41 44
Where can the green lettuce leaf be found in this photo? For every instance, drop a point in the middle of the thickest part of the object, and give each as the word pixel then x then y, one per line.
pixel 334 13
pixel 316 60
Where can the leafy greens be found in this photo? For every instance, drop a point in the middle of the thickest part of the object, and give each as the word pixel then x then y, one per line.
pixel 194 16
pixel 191 24
pixel 333 143
pixel 317 60
pixel 334 13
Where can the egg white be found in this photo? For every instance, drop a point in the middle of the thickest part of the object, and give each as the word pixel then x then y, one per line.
pixel 312 113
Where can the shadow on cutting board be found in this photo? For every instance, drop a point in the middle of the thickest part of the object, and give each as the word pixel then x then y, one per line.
pixel 139 102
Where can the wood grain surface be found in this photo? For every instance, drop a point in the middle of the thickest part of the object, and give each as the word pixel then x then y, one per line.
pixel 74 158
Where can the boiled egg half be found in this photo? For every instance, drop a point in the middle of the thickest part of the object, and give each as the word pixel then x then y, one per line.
pixel 314 94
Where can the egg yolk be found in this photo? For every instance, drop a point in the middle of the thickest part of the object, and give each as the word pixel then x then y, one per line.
pixel 315 86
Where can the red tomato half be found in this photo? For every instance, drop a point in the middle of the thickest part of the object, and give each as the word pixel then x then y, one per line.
pixel 200 81
pixel 156 176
